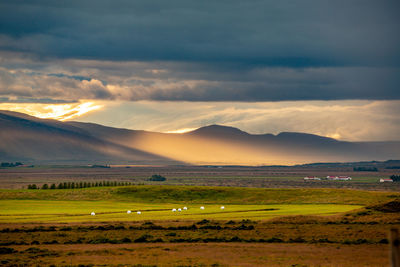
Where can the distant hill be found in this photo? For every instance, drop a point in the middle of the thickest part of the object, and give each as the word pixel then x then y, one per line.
pixel 29 139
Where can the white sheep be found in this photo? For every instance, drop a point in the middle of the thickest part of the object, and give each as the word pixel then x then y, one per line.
pixel 179 209
pixel 173 210
pixel 92 213
pixel 184 208
pixel 222 207
pixel 139 212
pixel 202 207
pixel 129 212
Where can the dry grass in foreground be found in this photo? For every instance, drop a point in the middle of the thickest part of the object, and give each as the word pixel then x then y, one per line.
pixel 210 254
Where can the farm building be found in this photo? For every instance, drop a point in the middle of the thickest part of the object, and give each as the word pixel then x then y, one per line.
pixel 344 178
pixel 330 177
pixel 383 180
pixel 307 178
pixel 340 178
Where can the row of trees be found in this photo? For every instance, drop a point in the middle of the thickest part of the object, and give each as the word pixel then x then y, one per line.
pixel 73 185
pixel 395 178
pixel 10 164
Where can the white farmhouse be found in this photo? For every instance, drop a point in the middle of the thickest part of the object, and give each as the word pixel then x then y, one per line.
pixel 308 178
pixel 344 178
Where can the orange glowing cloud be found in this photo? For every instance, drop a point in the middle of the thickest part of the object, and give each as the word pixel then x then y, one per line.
pixel 60 112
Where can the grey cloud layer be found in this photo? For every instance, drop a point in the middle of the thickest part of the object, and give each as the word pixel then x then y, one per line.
pixel 71 80
pixel 277 33
pixel 200 50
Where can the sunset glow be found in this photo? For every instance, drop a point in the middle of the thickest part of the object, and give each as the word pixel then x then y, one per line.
pixel 60 112
pixel 184 130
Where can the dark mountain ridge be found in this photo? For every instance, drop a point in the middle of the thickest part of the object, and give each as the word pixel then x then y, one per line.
pixel 26 138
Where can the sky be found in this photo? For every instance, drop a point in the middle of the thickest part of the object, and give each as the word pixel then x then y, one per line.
pixel 330 68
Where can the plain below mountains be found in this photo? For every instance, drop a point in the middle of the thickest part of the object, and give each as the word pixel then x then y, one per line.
pixel 29 139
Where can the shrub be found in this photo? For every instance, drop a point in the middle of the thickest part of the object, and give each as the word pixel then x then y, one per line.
pixel 395 178
pixel 100 166
pixel 384 241
pixel 32 186
pixel 143 239
pixel 4 250
pixel 157 178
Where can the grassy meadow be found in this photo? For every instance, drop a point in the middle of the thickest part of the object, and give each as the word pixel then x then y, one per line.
pixel 12 211
pixel 157 202
pixel 204 195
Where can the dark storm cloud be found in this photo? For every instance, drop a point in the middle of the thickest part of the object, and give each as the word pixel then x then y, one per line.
pixel 275 33
pixel 200 50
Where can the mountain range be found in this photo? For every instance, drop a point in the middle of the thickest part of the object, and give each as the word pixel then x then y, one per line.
pixel 45 141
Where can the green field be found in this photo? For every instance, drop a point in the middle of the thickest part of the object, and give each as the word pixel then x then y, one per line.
pixel 156 203
pixel 205 195
pixel 79 211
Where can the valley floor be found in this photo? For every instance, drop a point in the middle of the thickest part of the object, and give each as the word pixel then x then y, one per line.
pixel 263 177
pixel 258 227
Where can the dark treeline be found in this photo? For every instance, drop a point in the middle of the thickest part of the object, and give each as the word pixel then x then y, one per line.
pixel 395 178
pixel 77 185
pixel 10 164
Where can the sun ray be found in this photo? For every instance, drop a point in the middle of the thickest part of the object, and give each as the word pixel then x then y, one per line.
pixel 61 112
pixel 184 130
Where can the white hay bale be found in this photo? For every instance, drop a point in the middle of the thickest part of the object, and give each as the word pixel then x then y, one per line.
pixel 179 209
pixel 184 208
pixel 202 208
pixel 139 212
pixel 173 210
pixel 222 207
pixel 129 212
pixel 92 213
